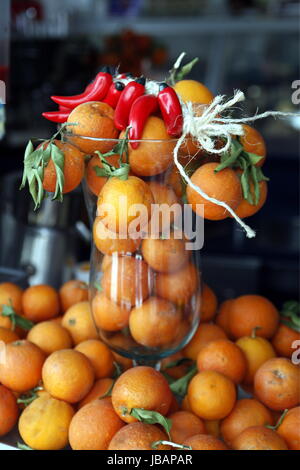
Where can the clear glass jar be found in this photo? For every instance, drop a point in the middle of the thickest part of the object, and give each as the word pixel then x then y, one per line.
pixel 145 280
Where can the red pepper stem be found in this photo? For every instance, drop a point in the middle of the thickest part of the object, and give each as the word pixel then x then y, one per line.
pixel 139 113
pixel 95 91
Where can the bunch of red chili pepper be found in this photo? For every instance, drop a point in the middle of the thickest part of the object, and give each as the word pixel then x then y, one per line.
pixel 132 106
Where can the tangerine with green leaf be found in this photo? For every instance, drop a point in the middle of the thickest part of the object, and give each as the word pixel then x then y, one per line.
pixel 253 142
pixel 65 166
pixel 10 295
pixel 141 387
pixel 289 427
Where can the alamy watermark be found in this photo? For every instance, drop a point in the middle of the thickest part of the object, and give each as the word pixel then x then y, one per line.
pixel 122 221
pixel 296 94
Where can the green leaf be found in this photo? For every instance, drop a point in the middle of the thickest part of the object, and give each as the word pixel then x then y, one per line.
pixel 152 417
pixel 108 393
pixel 245 177
pixel 156 444
pixel 253 158
pixel 28 151
pixel 98 286
pixel 255 184
pixel 29 397
pixel 58 159
pixel 16 320
pixel 179 387
pixel 185 69
pixel 229 158
pixel 22 446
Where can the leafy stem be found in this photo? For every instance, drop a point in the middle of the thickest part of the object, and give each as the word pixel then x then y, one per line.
pixel 178 71
pixel 290 314
pixel 16 320
pixel 279 422
pixel 29 397
pixel 237 158
pixel 179 387
pixel 108 170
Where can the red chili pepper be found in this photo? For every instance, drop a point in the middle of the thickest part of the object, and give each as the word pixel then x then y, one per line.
pixel 57 116
pixel 139 113
pixel 170 109
pixel 114 94
pixel 130 93
pixel 97 90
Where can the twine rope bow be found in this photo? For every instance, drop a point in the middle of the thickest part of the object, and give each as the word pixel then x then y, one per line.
pixel 208 126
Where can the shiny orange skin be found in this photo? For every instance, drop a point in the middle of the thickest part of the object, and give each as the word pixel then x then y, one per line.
pixel 79 322
pixel 178 286
pixel 144 160
pixel 245 209
pixel 138 436
pixel 7 335
pixel 209 303
pixel 222 318
pixel 68 375
pixel 141 387
pixel 50 336
pixel 107 314
pixel 93 119
pixel 185 425
pixel 205 442
pixel 225 357
pixel 253 311
pixel 259 438
pixel 289 429
pixel 22 369
pixel 155 323
pixel 224 186
pixel 94 182
pixel 72 292
pixel 211 395
pixel 257 351
pixel 162 216
pixel 205 333
pixel 40 303
pixel 108 242
pixel 277 384
pixel 117 201
pixel 10 294
pixel 165 255
pixel 99 355
pixel 253 142
pixel 9 410
pixel 174 180
pixel 246 413
pixel 127 281
pixel 194 91
pixel 73 169
pixel 100 388
pixel 94 425
pixel 283 340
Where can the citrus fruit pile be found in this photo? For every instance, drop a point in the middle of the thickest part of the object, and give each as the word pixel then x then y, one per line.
pixel 60 385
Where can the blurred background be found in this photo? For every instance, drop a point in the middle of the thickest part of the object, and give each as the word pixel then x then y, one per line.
pixel 56 47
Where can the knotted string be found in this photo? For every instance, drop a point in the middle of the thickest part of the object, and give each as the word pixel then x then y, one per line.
pixel 206 127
